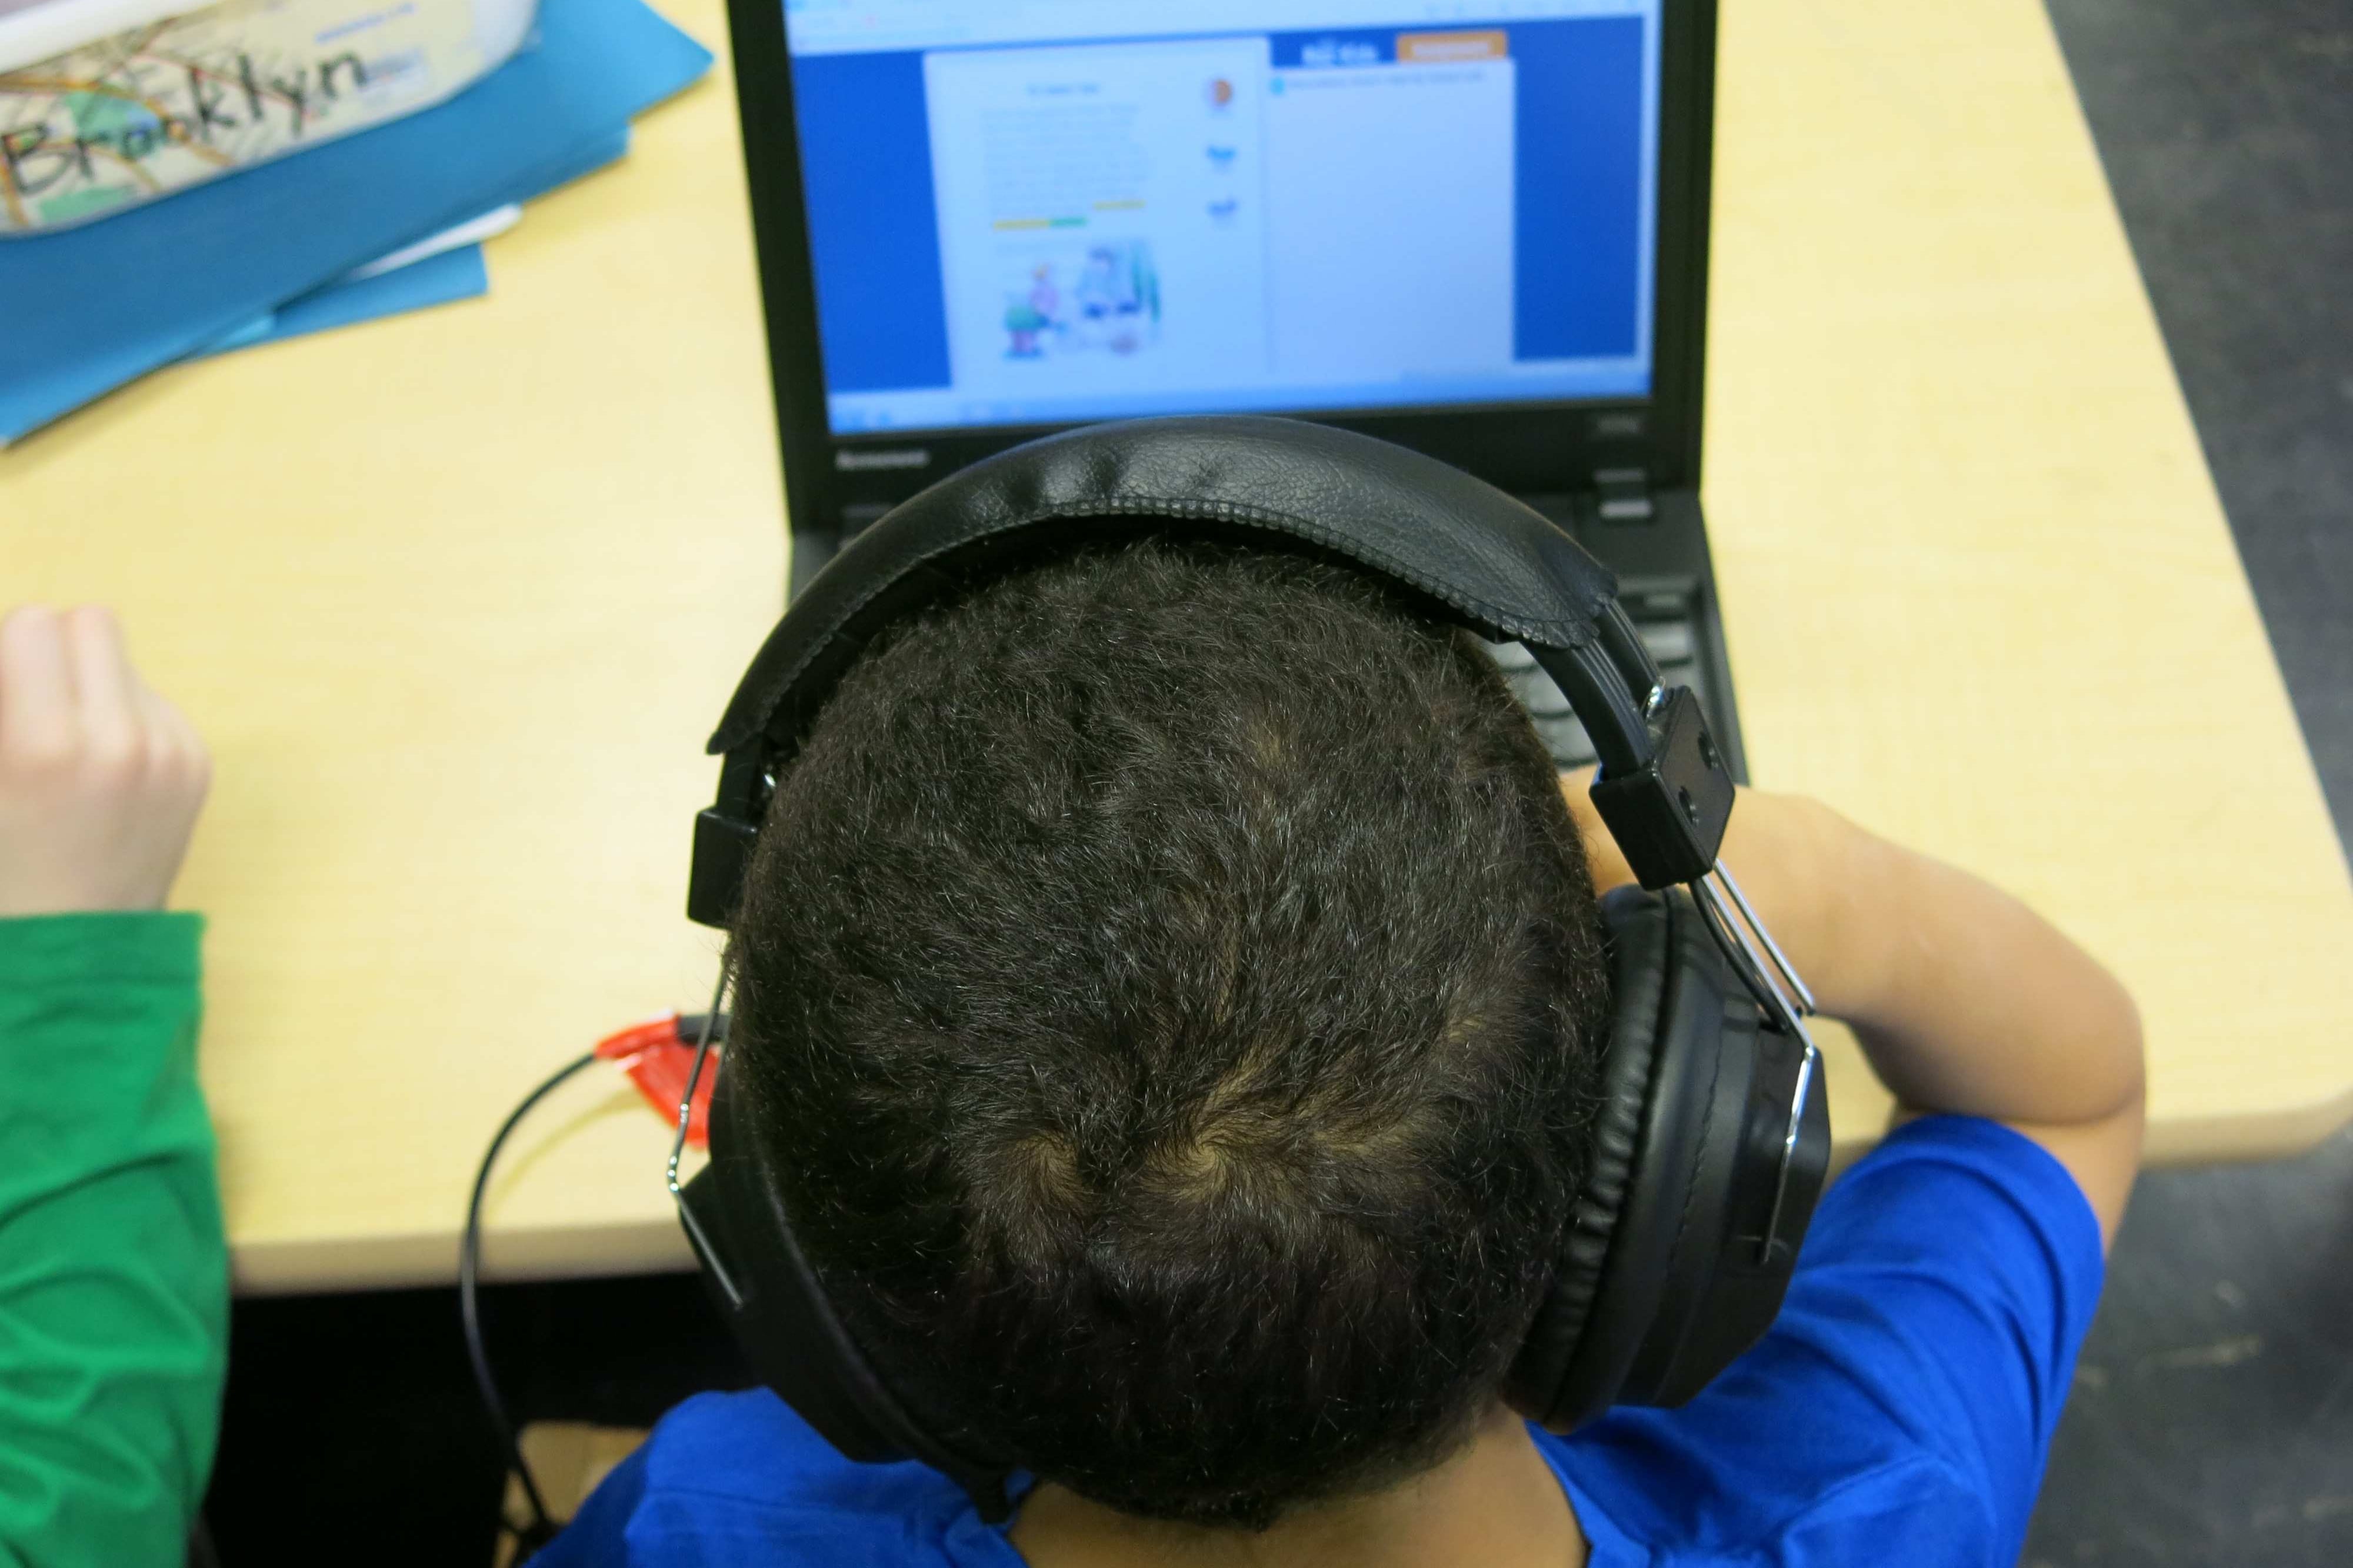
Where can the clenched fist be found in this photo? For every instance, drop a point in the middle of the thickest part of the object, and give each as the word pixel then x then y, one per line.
pixel 101 779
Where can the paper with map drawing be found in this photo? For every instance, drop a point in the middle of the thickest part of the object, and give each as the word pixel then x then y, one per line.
pixel 175 101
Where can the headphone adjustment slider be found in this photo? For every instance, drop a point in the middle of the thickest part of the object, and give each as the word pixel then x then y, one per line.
pixel 724 833
pixel 1669 814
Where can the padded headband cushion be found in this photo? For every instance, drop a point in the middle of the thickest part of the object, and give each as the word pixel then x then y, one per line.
pixel 1490 562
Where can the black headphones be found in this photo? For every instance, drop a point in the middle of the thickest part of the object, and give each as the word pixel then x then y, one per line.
pixel 1713 1138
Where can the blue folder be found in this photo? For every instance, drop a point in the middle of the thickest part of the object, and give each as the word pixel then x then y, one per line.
pixel 454 275
pixel 128 293
pixel 442 279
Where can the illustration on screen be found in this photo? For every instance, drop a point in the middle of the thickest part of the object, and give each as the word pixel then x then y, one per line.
pixel 1081 298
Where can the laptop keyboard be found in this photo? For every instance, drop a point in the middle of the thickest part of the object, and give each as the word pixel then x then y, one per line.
pixel 1672 643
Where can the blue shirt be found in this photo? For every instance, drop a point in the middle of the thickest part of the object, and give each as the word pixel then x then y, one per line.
pixel 1900 1410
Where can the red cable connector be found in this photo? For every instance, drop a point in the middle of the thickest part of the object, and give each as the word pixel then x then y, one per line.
pixel 658 1057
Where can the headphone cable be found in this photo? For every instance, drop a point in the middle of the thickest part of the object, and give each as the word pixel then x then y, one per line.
pixel 542 1528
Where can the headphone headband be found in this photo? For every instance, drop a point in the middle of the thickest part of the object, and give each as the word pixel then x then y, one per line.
pixel 1468 552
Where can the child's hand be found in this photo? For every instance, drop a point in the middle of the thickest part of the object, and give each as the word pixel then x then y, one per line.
pixel 100 780
pixel 1602 856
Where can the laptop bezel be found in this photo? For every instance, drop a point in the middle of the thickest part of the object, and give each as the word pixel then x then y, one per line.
pixel 1540 449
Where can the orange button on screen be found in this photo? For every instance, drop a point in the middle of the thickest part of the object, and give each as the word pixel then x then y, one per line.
pixel 1434 48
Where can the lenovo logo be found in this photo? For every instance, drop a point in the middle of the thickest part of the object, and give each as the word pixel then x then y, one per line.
pixel 891 457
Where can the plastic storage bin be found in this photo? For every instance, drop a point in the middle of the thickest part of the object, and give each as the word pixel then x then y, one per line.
pixel 105 104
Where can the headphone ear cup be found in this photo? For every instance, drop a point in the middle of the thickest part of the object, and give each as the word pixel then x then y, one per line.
pixel 773 1300
pixel 1666 1275
pixel 1753 1194
pixel 1539 1386
pixel 782 1319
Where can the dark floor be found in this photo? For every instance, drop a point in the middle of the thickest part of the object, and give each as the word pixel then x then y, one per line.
pixel 351 1425
pixel 2212 1416
pixel 2212 1420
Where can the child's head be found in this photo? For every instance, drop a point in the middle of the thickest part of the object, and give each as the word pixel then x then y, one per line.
pixel 1170 980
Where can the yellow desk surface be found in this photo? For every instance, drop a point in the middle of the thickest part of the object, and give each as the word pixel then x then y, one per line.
pixel 456 597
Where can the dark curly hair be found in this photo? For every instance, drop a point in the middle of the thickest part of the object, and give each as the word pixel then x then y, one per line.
pixel 1170 980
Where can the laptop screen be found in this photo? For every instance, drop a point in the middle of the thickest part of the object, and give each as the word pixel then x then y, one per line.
pixel 1026 212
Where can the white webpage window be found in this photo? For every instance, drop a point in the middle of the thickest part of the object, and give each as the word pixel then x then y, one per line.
pixel 1101 215
pixel 1389 213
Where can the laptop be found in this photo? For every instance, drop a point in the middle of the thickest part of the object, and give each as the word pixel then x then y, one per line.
pixel 1475 227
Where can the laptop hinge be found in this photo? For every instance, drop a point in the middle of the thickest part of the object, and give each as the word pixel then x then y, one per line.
pixel 1625 495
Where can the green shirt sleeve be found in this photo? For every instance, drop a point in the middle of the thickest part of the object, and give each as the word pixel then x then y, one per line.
pixel 114 1267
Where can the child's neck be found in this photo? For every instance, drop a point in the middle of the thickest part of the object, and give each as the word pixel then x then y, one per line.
pixel 1495 1503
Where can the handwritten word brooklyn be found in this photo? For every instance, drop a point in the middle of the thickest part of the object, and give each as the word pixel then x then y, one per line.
pixel 141 113
pixel 211 104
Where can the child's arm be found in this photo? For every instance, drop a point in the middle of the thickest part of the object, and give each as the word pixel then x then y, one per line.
pixel 1965 1001
pixel 113 1274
